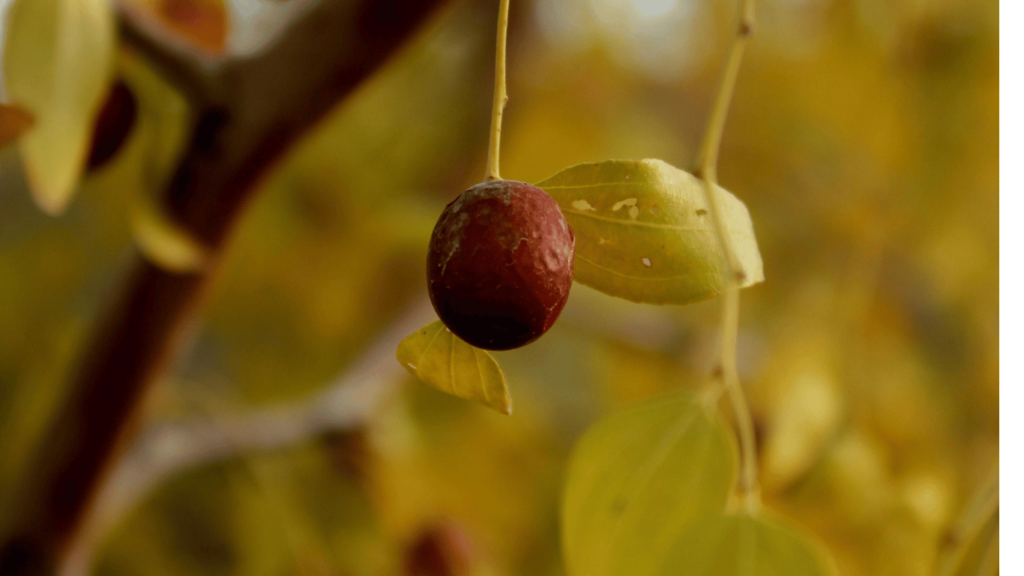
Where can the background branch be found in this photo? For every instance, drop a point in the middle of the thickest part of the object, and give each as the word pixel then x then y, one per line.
pixel 269 100
pixel 168 448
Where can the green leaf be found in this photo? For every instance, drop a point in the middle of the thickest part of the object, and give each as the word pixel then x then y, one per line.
pixel 741 545
pixel 637 478
pixel 58 60
pixel 644 233
pixel 441 359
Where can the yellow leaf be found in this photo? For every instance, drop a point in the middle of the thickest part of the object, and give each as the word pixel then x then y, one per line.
pixel 14 121
pixel 644 233
pixel 58 61
pixel 439 358
pixel 741 545
pixel 162 241
pixel 637 478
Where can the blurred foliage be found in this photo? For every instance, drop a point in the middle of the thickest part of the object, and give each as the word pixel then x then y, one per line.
pixel 863 140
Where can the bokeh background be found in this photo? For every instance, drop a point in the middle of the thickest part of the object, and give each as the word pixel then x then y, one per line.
pixel 863 138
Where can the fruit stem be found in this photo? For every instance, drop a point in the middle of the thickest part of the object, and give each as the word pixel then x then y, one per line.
pixel 707 166
pixel 500 95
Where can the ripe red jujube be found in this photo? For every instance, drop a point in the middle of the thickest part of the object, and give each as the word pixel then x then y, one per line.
pixel 500 264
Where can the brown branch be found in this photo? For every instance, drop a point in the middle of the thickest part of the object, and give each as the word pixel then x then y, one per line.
pixel 269 100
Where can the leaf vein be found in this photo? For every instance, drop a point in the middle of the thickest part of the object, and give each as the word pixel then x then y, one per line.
pixel 635 222
pixel 617 273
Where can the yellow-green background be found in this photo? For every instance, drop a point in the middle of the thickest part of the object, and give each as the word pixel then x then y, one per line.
pixel 863 138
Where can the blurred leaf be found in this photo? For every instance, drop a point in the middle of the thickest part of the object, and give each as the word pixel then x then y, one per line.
pixel 202 22
pixel 57 64
pixel 162 241
pixel 743 545
pixel 162 117
pixel 14 121
pixel 643 231
pixel 439 358
pixel 802 416
pixel 637 478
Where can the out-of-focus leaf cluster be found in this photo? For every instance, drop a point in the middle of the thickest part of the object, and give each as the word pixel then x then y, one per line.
pixel 862 140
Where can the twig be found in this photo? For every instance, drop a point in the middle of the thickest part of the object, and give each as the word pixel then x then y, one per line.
pixel 500 94
pixel 707 166
pixel 989 564
pixel 981 508
pixel 270 99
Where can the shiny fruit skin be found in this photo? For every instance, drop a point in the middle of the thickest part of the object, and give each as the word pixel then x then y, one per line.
pixel 500 264
pixel 113 125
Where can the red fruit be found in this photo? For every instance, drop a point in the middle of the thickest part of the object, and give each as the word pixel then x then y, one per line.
pixel 500 264
pixel 113 125
pixel 442 549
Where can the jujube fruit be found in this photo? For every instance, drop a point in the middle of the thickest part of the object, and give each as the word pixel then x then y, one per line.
pixel 500 263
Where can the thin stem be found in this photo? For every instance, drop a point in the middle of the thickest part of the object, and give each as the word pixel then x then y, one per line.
pixel 707 166
pixel 989 564
pixel 982 507
pixel 500 95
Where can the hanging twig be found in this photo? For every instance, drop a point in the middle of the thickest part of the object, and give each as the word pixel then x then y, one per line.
pixel 707 166
pixel 500 94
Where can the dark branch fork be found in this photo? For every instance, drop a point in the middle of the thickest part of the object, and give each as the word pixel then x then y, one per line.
pixel 247 112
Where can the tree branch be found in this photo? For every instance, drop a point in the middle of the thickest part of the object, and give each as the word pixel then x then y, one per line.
pixel 166 449
pixel 269 100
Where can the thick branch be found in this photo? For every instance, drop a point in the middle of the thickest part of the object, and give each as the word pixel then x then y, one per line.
pixel 269 101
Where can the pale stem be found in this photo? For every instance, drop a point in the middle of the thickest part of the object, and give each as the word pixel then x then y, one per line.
pixel 982 507
pixel 989 564
pixel 500 95
pixel 707 164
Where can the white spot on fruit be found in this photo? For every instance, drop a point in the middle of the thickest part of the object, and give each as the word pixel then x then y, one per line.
pixel 551 260
pixel 634 212
pixel 626 202
pixel 582 205
pixel 647 262
pixel 601 241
